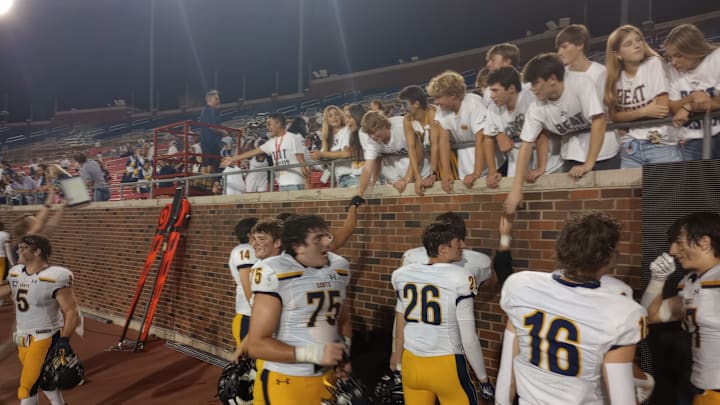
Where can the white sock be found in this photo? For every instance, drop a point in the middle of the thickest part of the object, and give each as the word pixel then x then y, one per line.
pixel 33 400
pixel 55 397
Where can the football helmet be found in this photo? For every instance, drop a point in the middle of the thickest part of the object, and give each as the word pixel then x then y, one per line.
pixel 350 391
pixel 388 390
pixel 236 382
pixel 61 370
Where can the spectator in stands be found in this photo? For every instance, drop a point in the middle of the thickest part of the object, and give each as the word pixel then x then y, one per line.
pixel 286 148
pixel 571 43
pixel 694 79
pixel 172 149
pixel 135 166
pixel 91 172
pixel 481 83
pixel 65 163
pixel 376 105
pixel 353 118
pixel 27 187
pixel 564 105
pixel 226 150
pixel 335 137
pixel 210 137
pixel 500 55
pixel 257 182
pixel 460 120
pixel 421 122
pixel 386 136
pixel 505 119
pixel 637 89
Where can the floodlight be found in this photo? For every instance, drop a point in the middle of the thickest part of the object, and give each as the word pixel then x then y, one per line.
pixel 5 6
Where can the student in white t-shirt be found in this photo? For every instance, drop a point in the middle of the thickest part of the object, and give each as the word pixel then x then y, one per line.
pixel 335 137
pixel 694 79
pixel 505 117
pixel 571 43
pixel 564 105
pixel 637 89
pixel 420 123
pixel 286 148
pixel 386 136
pixel 460 120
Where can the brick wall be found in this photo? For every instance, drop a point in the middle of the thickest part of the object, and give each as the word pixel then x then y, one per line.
pixel 105 246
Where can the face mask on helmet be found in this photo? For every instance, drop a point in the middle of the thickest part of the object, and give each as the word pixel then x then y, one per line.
pixel 350 391
pixel 388 390
pixel 61 371
pixel 236 382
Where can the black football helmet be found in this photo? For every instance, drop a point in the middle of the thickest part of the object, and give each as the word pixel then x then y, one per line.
pixel 350 391
pixel 236 382
pixel 388 390
pixel 61 371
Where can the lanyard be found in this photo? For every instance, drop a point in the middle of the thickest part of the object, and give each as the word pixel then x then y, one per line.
pixel 278 144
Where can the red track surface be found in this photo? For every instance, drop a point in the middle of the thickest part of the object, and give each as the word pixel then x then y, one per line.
pixel 157 376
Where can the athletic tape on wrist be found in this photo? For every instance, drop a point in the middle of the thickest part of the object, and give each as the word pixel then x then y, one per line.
pixel 309 353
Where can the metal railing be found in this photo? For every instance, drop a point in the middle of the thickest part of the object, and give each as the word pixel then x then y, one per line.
pixel 154 185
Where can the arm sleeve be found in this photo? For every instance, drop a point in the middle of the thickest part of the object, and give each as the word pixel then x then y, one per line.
pixel 470 341
pixel 502 264
pixel 619 379
pixel 505 373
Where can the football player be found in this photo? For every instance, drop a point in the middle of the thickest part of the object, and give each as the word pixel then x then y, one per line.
pixel 241 260
pixel 566 335
pixel 436 324
pixel 300 323
pixel 695 244
pixel 45 312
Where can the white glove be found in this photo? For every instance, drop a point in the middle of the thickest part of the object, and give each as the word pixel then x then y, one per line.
pixel 662 267
pixel 644 388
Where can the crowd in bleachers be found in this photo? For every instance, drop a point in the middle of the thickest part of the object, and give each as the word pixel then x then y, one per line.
pixel 549 118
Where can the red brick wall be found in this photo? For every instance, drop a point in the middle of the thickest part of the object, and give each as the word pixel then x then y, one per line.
pixel 105 248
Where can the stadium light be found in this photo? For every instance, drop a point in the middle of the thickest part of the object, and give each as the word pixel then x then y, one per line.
pixel 5 6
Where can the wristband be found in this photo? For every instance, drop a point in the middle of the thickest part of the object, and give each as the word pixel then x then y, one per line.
pixel 309 353
pixel 505 240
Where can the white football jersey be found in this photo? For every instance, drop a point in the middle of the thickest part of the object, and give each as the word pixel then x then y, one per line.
pixel 36 309
pixel 478 264
pixel 241 257
pixel 650 81
pixel 564 331
pixel 705 77
pixel 311 300
pixel 701 317
pixel 616 285
pixel 573 111
pixel 427 297
pixel 462 127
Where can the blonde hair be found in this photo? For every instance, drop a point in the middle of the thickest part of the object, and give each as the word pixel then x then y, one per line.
pixel 690 41
pixel 326 132
pixel 372 121
pixel 615 66
pixel 447 83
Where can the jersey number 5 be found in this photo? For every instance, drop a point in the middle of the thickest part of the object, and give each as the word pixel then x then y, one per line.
pixel 22 304
pixel 333 307
pixel 554 349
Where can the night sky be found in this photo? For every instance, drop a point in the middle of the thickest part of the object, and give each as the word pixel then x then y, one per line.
pixel 85 53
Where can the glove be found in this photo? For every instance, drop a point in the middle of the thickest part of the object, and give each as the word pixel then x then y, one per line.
pixel 487 391
pixel 662 267
pixel 63 343
pixel 644 388
pixel 356 201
